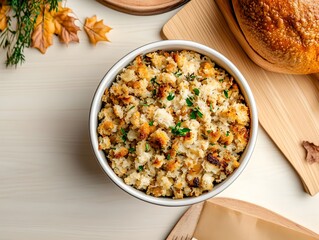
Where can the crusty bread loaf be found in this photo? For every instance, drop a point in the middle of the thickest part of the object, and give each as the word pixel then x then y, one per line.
pixel 283 32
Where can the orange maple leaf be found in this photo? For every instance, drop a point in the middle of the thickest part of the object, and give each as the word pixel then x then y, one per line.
pixel 69 31
pixel 59 16
pixel 42 36
pixel 64 24
pixel 3 16
pixel 96 30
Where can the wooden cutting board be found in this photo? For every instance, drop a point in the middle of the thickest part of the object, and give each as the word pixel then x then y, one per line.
pixel 143 7
pixel 288 105
pixel 187 224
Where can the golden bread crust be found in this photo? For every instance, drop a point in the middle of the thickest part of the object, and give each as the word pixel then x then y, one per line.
pixel 283 32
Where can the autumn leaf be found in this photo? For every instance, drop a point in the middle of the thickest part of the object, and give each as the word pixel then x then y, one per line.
pixel 96 30
pixel 51 19
pixel 312 152
pixel 42 36
pixel 3 16
pixel 64 25
pixel 69 31
pixel 59 16
pixel 61 10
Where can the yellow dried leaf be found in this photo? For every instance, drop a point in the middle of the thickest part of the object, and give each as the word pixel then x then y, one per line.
pixel 59 16
pixel 3 16
pixel 65 27
pixel 69 31
pixel 42 36
pixel 96 30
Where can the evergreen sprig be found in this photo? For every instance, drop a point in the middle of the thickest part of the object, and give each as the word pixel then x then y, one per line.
pixel 18 36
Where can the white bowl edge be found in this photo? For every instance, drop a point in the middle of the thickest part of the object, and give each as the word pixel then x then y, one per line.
pixel 170 45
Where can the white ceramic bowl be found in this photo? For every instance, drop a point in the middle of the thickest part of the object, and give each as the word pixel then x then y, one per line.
pixel 170 45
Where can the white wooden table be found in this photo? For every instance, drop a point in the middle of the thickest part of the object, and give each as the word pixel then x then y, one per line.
pixel 51 186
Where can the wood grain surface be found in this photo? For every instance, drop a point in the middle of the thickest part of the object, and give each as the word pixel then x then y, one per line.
pixel 287 104
pixel 143 7
pixel 186 225
pixel 53 188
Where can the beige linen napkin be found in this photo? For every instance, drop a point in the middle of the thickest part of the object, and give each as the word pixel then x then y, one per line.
pixel 220 223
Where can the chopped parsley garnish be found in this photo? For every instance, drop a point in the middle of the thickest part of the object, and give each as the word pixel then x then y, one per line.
pixel 151 123
pixel 199 114
pixel 168 157
pixel 153 81
pixel 144 104
pixel 226 93
pixel 147 147
pixel 140 168
pixel 178 131
pixel 227 133
pixel 193 115
pixel 211 107
pixel 131 108
pixel 178 73
pixel 196 91
pixel 225 146
pixel 189 101
pixel 196 113
pixel 221 80
pixel 190 77
pixel 170 96
pixel 124 135
pixel 131 150
pixel 212 144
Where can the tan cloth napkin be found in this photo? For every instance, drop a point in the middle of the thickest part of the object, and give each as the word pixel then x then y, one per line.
pixel 220 223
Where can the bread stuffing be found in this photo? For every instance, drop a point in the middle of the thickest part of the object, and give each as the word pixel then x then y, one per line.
pixel 173 124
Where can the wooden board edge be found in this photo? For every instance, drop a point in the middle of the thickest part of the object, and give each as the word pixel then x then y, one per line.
pixel 163 32
pixel 146 11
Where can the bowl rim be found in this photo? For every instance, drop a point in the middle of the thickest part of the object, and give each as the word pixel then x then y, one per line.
pixel 170 45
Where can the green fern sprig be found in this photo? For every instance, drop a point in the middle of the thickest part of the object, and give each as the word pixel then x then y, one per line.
pixel 16 37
